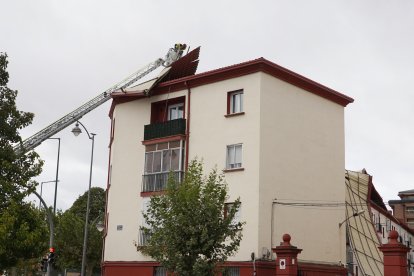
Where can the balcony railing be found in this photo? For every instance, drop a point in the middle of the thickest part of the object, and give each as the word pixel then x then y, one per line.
pixel 143 238
pixel 169 128
pixel 158 181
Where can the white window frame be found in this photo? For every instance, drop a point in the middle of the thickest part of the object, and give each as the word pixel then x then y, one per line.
pixel 236 102
pixel 234 161
pixel 175 107
pixel 161 152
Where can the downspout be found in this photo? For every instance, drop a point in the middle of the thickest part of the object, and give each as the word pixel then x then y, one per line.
pixel 187 137
pixel 271 224
pixel 108 181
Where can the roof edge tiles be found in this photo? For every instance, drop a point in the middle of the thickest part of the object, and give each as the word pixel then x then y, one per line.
pixel 253 66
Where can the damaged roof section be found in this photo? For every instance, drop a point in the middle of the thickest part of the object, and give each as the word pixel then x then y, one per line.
pixel 361 231
pixel 184 67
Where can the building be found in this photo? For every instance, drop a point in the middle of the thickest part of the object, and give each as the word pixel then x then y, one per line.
pixel 277 136
pixel 403 209
pixel 369 230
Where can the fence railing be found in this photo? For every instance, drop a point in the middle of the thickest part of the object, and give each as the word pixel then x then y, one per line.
pixel 168 128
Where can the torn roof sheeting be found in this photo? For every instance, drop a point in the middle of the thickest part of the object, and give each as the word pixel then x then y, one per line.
pixel 184 67
pixel 362 235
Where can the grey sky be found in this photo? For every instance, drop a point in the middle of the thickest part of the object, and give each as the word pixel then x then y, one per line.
pixel 63 53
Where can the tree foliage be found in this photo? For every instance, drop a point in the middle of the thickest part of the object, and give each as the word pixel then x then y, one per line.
pixel 16 168
pixel 21 229
pixel 70 231
pixel 190 231
pixel 23 234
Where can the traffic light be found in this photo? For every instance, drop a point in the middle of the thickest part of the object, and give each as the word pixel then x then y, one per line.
pixel 51 258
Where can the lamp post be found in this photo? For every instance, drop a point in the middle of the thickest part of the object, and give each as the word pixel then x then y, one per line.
pixel 57 174
pixel 355 214
pixel 76 131
pixel 41 189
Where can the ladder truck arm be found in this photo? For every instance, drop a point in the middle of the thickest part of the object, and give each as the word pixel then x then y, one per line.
pixel 36 139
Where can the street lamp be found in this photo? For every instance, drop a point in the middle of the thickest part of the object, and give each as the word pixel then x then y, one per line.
pixel 76 131
pixel 355 214
pixel 57 174
pixel 41 189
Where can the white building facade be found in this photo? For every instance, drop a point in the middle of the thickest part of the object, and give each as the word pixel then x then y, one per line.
pixel 277 136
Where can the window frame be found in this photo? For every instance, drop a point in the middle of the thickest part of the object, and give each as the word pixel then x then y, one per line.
pixel 232 107
pixel 169 149
pixel 234 165
pixel 175 107
pixel 160 109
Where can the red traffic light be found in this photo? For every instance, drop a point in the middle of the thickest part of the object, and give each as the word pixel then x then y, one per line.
pixel 51 250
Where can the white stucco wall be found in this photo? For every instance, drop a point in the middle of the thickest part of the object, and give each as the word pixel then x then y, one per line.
pixel 210 134
pixel 301 160
pixel 127 161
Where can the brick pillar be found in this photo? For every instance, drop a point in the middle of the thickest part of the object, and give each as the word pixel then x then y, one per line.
pixel 395 256
pixel 286 258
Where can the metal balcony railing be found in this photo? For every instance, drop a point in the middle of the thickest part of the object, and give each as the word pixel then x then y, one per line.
pixel 169 128
pixel 158 181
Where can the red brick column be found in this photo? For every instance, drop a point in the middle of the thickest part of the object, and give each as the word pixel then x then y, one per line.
pixel 286 258
pixel 395 256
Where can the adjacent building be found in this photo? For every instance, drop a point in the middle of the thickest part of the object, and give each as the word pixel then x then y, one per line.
pixel 368 230
pixel 403 209
pixel 277 136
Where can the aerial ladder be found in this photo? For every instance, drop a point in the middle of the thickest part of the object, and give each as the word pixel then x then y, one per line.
pixel 33 141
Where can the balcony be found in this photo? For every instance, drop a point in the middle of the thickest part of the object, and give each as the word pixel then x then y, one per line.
pixel 158 181
pixel 169 128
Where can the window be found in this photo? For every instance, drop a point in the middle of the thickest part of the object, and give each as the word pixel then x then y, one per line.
pixel 160 160
pixel 160 271
pixel 231 271
pixel 235 102
pixel 145 206
pixel 409 209
pixel 143 237
pixel 388 225
pixel 176 111
pixel 234 156
pixel 162 157
pixel 410 222
pixel 227 208
pixel 167 110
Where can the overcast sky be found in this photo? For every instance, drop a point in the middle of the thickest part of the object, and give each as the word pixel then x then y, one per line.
pixel 63 53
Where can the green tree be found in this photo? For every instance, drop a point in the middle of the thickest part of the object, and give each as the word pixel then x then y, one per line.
pixel 70 231
pixel 23 234
pixel 16 168
pixel 190 231
pixel 21 228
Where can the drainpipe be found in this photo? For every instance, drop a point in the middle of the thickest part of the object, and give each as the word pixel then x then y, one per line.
pixel 271 224
pixel 187 137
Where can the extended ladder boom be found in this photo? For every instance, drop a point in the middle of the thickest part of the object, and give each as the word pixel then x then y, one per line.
pixel 36 139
